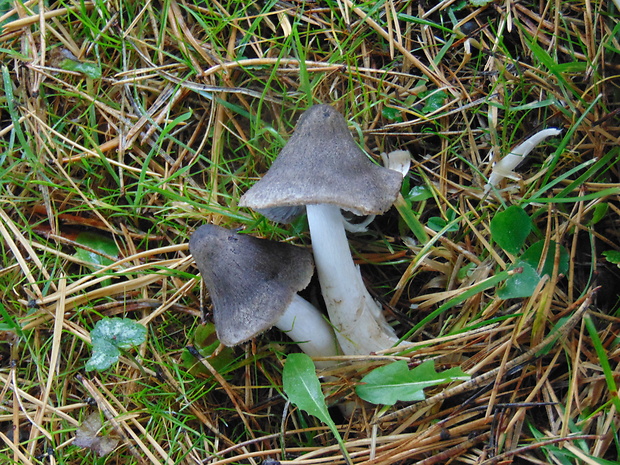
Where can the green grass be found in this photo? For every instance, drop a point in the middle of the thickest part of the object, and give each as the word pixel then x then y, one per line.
pixel 192 105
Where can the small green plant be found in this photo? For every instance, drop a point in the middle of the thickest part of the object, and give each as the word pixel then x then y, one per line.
pixel 71 63
pixel 510 229
pixel 205 341
pixel 99 248
pixel 385 385
pixel 433 101
pixel 303 389
pixel 109 337
pixel 612 256
pixel 436 223
pixel 396 382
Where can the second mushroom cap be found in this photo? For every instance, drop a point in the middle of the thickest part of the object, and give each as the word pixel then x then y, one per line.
pixel 251 281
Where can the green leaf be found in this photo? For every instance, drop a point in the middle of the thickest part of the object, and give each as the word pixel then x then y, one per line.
pixel 108 336
pixel 600 210
pixel 425 22
pixel 520 284
pixel 419 193
pixel 89 69
pixel 550 63
pixel 105 354
pixel 603 358
pixel 571 67
pixel 532 257
pixel 434 101
pixel 390 383
pixel 121 332
pixel 437 224
pixel 303 389
pixel 98 242
pixel 205 341
pixel 612 256
pixel 391 114
pixel 510 228
pixel 9 323
pixel 410 219
pixel 465 271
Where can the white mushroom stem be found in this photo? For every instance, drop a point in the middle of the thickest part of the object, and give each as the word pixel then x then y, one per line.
pixel 360 325
pixel 305 325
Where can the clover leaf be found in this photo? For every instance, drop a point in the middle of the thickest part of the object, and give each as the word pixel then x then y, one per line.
pixel 109 336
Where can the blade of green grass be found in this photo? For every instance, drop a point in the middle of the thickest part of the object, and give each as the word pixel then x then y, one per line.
pixel 10 103
pixel 480 287
pixel 601 352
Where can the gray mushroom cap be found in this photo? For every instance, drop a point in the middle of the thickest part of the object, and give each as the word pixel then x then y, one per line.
pixel 251 281
pixel 322 164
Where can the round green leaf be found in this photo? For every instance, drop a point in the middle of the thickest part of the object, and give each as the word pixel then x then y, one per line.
pixel 419 193
pixel 105 354
pixel 510 228
pixel 97 242
pixel 533 254
pixel 391 114
pixel 120 332
pixel 434 101
pixel 110 334
pixel 520 284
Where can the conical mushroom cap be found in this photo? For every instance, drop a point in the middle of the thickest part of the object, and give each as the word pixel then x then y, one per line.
pixel 322 164
pixel 251 281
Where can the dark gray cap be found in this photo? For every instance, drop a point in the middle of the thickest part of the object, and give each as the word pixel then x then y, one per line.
pixel 251 281
pixel 322 164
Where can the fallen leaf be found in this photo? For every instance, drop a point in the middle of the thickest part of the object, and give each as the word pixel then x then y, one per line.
pixel 87 436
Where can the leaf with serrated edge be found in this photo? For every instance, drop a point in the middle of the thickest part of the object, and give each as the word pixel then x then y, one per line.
pixel 303 389
pixel 395 382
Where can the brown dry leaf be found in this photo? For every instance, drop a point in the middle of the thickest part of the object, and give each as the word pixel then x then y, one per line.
pixel 86 436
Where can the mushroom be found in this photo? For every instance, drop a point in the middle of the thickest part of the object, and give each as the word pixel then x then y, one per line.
pixel 505 167
pixel 322 168
pixel 253 284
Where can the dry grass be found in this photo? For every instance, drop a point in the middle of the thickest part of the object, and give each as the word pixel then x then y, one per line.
pixel 188 103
